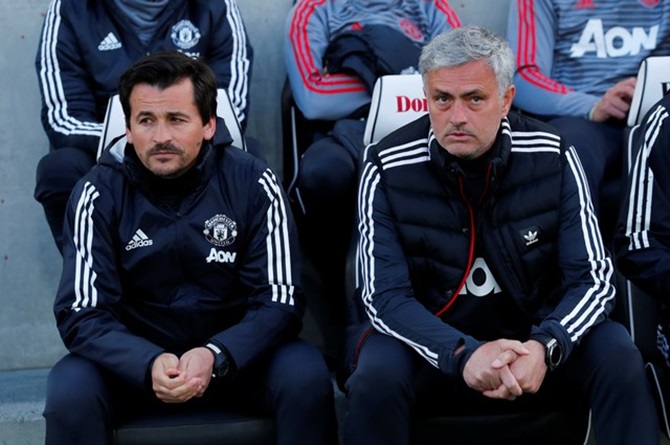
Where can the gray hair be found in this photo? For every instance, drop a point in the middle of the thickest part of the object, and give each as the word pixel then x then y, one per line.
pixel 468 44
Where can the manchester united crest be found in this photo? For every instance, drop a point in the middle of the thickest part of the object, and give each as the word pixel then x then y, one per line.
pixel 185 35
pixel 411 30
pixel 220 230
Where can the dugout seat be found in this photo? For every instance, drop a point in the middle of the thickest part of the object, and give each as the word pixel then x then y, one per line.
pixel 114 124
pixel 653 82
pixel 637 309
pixel 396 101
pixel 641 319
pixel 199 428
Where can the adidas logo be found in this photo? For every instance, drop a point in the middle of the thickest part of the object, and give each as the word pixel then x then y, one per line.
pixel 531 237
pixel 140 239
pixel 109 43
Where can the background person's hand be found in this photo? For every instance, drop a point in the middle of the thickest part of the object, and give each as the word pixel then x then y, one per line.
pixel 616 101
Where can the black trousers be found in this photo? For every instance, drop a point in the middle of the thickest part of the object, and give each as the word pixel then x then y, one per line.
pixel 392 382
pixel 57 173
pixel 292 385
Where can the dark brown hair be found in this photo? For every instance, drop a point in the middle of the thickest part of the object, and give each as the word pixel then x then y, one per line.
pixel 165 69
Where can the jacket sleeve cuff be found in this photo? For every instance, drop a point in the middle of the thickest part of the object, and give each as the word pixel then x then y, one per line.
pixel 453 364
pixel 217 348
pixel 548 330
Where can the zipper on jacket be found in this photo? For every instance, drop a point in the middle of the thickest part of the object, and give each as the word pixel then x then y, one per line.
pixel 471 253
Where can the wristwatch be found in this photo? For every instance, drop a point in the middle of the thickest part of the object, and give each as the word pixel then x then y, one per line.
pixel 553 354
pixel 222 365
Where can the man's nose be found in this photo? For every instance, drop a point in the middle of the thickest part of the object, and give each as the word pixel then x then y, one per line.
pixel 162 133
pixel 458 113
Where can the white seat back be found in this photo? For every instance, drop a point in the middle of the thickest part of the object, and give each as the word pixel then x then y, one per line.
pixel 653 82
pixel 397 99
pixel 115 124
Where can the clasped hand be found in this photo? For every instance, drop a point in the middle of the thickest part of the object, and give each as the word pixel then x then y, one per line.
pixel 505 369
pixel 178 379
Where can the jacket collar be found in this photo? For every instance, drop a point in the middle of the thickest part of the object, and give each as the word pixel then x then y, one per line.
pixel 448 166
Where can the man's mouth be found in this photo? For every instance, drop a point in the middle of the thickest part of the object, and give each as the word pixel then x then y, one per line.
pixel 459 135
pixel 161 150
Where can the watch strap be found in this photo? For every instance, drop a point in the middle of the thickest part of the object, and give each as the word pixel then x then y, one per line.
pixel 223 364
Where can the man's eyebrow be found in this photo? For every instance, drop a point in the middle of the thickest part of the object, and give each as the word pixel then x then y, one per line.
pixel 169 113
pixel 439 92
pixel 176 114
pixel 476 91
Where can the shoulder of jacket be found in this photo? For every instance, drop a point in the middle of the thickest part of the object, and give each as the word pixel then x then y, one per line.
pixel 107 173
pixel 231 160
pixel 521 122
pixel 528 127
pixel 77 5
pixel 215 9
pixel 101 185
pixel 416 131
pixel 79 8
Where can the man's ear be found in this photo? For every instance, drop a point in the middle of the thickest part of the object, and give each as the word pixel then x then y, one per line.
pixel 210 128
pixel 508 98
pixel 129 136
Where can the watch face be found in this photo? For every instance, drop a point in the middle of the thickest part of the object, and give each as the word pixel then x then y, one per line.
pixel 222 370
pixel 554 354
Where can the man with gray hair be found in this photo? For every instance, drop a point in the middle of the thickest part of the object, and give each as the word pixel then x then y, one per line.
pixel 482 274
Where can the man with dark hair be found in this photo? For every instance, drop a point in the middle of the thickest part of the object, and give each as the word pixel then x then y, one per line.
pixel 484 282
pixel 180 283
